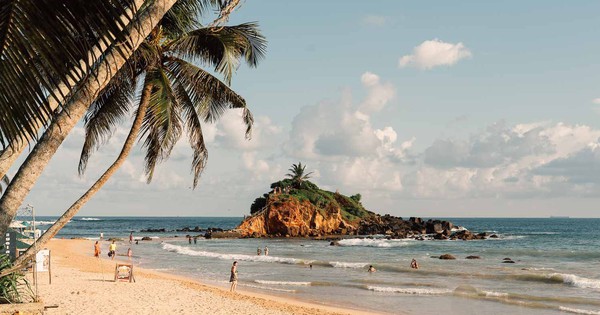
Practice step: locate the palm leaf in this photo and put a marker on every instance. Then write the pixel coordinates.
(194, 131)
(162, 124)
(211, 96)
(222, 47)
(106, 113)
(41, 41)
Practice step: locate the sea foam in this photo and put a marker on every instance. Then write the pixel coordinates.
(269, 282)
(373, 242)
(576, 281)
(412, 291)
(341, 264)
(89, 219)
(269, 259)
(578, 311)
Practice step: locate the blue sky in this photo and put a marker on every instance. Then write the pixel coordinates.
(493, 113)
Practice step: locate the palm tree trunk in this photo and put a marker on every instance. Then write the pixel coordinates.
(64, 122)
(75, 207)
(10, 155)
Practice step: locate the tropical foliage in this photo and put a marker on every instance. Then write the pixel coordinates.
(45, 50)
(183, 95)
(297, 173)
(14, 288)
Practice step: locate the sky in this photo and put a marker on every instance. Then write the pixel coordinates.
(425, 108)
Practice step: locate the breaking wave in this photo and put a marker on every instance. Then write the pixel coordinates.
(269, 259)
(578, 311)
(341, 264)
(282, 282)
(368, 242)
(89, 219)
(411, 291)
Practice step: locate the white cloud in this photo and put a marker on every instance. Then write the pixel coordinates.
(230, 131)
(374, 20)
(433, 53)
(379, 94)
(596, 101)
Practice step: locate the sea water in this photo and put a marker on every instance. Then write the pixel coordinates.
(556, 269)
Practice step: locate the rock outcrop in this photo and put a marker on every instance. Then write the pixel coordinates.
(289, 217)
(301, 209)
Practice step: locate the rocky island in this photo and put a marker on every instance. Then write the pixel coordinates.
(296, 207)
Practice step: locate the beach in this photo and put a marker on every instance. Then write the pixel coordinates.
(82, 283)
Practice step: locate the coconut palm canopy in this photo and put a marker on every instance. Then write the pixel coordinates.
(46, 43)
(183, 95)
(297, 173)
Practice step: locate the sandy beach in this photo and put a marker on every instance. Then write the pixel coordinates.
(82, 284)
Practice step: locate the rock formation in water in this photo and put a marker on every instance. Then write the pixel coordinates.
(301, 209)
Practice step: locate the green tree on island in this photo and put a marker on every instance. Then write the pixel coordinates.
(297, 174)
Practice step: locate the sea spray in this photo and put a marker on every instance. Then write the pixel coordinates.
(367, 242)
(291, 283)
(411, 291)
(269, 259)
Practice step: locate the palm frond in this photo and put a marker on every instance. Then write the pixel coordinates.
(183, 16)
(222, 47)
(41, 42)
(162, 124)
(106, 112)
(194, 131)
(211, 96)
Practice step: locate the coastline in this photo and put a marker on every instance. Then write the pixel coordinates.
(82, 282)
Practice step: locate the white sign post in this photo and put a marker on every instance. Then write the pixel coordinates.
(42, 263)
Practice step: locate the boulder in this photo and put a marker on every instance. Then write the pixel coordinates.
(447, 257)
(508, 262)
(146, 238)
(473, 257)
(507, 258)
(334, 243)
(493, 236)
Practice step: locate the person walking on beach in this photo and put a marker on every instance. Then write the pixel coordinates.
(129, 253)
(266, 251)
(233, 278)
(101, 236)
(414, 264)
(112, 250)
(131, 237)
(258, 251)
(97, 250)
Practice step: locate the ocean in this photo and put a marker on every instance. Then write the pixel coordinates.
(556, 269)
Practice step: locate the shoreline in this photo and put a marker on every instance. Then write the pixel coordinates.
(76, 271)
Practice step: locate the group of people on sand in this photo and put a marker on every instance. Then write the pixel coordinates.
(260, 251)
(413, 264)
(112, 248)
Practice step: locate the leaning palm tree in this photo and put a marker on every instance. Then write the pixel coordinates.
(297, 174)
(176, 95)
(63, 122)
(46, 48)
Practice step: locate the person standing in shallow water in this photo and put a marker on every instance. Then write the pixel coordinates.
(112, 250)
(414, 264)
(266, 251)
(233, 278)
(258, 251)
(131, 237)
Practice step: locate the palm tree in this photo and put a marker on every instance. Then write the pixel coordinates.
(174, 93)
(63, 122)
(297, 174)
(46, 48)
